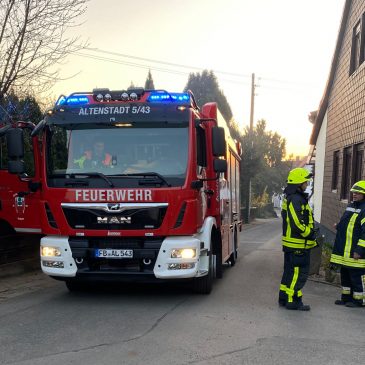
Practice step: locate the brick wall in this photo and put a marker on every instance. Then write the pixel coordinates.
(346, 118)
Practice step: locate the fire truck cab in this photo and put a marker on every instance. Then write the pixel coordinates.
(134, 185)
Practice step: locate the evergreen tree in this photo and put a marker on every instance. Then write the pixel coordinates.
(206, 89)
(149, 85)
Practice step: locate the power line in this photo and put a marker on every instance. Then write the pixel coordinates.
(164, 62)
(138, 65)
(190, 67)
(178, 72)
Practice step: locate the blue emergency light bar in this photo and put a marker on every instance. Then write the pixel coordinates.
(73, 100)
(156, 96)
(161, 96)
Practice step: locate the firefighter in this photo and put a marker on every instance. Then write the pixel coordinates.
(349, 249)
(97, 157)
(297, 240)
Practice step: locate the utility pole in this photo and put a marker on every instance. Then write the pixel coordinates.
(252, 101)
(248, 190)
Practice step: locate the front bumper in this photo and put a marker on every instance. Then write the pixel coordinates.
(151, 259)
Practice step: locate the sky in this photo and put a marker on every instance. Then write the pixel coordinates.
(287, 44)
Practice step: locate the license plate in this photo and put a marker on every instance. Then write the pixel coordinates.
(114, 254)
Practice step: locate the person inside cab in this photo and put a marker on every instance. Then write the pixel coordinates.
(96, 157)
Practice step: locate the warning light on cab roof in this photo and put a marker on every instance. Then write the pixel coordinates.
(161, 96)
(105, 95)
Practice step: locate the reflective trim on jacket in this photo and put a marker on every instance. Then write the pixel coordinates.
(350, 237)
(298, 222)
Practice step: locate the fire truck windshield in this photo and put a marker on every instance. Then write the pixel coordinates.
(118, 152)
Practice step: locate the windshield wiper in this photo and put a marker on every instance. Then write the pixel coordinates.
(146, 174)
(73, 175)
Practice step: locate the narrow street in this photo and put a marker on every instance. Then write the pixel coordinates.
(238, 323)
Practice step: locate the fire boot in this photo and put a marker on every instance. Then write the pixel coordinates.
(299, 306)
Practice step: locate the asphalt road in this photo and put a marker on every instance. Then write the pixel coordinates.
(238, 323)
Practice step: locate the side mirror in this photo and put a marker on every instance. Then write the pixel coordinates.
(219, 165)
(218, 141)
(15, 144)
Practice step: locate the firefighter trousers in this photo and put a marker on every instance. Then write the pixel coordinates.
(295, 275)
(353, 285)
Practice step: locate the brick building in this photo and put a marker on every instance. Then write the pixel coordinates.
(338, 134)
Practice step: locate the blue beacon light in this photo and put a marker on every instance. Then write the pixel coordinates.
(165, 96)
(73, 100)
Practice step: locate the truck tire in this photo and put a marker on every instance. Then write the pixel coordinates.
(204, 284)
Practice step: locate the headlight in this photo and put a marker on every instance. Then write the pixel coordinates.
(50, 251)
(183, 253)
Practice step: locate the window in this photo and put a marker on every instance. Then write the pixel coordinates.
(201, 155)
(358, 45)
(346, 173)
(358, 162)
(335, 167)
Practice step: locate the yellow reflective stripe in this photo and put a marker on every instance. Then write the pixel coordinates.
(362, 221)
(293, 245)
(311, 244)
(336, 259)
(358, 296)
(302, 244)
(288, 226)
(349, 232)
(293, 240)
(300, 294)
(283, 287)
(306, 232)
(361, 243)
(347, 261)
(346, 290)
(292, 285)
(295, 217)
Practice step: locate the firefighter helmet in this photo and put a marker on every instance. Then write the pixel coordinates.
(359, 187)
(299, 175)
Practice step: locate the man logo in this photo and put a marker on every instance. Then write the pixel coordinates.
(114, 206)
(114, 220)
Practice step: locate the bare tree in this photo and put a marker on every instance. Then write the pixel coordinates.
(33, 41)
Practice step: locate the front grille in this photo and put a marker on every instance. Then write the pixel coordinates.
(145, 252)
(142, 218)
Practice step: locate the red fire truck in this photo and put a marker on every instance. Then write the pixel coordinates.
(130, 185)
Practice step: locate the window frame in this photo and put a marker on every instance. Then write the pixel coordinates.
(335, 170)
(346, 172)
(357, 45)
(358, 154)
